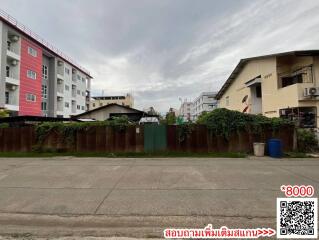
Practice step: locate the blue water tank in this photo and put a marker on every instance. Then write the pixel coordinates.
(274, 148)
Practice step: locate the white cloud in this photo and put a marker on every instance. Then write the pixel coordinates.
(162, 50)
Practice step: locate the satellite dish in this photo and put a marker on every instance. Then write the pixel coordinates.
(244, 99)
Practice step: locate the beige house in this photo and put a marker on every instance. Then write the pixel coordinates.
(100, 101)
(111, 110)
(283, 84)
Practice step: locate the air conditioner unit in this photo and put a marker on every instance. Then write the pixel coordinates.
(13, 87)
(59, 80)
(14, 62)
(15, 38)
(312, 91)
(60, 98)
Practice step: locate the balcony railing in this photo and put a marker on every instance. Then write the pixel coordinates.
(11, 74)
(13, 48)
(11, 100)
(60, 108)
(301, 75)
(60, 89)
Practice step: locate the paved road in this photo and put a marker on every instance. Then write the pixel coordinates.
(140, 197)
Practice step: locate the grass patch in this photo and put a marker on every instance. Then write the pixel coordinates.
(122, 155)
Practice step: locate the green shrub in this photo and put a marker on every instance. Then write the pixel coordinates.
(306, 140)
(224, 122)
(4, 113)
(67, 131)
(184, 130)
(4, 125)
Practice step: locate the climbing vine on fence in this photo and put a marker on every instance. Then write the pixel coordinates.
(67, 131)
(184, 130)
(224, 122)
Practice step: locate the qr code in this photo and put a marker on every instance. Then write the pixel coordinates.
(297, 218)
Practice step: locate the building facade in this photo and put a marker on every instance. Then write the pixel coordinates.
(205, 102)
(279, 85)
(37, 79)
(108, 111)
(185, 111)
(99, 101)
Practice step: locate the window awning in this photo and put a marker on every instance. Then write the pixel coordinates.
(252, 82)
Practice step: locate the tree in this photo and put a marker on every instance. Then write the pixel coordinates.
(152, 111)
(170, 117)
(202, 118)
(4, 113)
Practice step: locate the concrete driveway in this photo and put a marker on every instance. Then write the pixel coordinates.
(140, 197)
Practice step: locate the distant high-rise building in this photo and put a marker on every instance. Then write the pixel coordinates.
(124, 100)
(185, 111)
(205, 102)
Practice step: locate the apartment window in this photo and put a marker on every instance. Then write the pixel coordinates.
(44, 91)
(78, 107)
(67, 87)
(44, 72)
(9, 45)
(7, 71)
(31, 97)
(227, 101)
(302, 75)
(304, 117)
(82, 108)
(83, 80)
(78, 92)
(67, 105)
(31, 74)
(287, 81)
(44, 106)
(32, 52)
(79, 77)
(93, 104)
(67, 71)
(7, 98)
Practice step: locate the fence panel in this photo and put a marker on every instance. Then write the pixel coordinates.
(155, 138)
(141, 138)
(100, 139)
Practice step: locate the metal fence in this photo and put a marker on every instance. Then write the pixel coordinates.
(139, 139)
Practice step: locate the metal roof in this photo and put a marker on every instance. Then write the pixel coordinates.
(243, 62)
(107, 106)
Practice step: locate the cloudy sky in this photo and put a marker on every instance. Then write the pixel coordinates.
(163, 50)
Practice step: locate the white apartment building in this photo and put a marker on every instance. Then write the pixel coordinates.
(124, 100)
(205, 102)
(185, 111)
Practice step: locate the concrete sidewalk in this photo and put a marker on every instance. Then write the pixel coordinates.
(140, 197)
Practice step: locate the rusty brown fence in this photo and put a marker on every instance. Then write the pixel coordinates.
(108, 139)
(17, 139)
(202, 140)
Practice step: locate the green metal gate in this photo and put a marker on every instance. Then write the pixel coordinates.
(154, 138)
